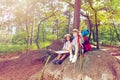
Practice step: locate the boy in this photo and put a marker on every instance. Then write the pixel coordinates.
(76, 45)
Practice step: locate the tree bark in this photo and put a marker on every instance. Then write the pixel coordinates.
(89, 24)
(77, 7)
(43, 35)
(32, 31)
(69, 17)
(112, 36)
(94, 36)
(27, 30)
(27, 36)
(96, 25)
(57, 29)
(37, 37)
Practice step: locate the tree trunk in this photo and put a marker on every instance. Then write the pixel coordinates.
(38, 32)
(27, 34)
(53, 30)
(94, 36)
(27, 29)
(69, 22)
(96, 25)
(43, 35)
(57, 30)
(90, 25)
(118, 37)
(77, 7)
(112, 36)
(57, 33)
(96, 22)
(32, 31)
(37, 37)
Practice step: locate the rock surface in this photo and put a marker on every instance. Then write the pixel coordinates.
(97, 65)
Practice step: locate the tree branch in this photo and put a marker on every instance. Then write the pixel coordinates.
(53, 14)
(90, 3)
(72, 5)
(85, 15)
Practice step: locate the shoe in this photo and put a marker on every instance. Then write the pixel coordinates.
(74, 59)
(55, 62)
(71, 57)
(59, 62)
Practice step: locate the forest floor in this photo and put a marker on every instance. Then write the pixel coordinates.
(114, 51)
(10, 69)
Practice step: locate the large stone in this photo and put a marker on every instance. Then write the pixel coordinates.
(97, 65)
(56, 45)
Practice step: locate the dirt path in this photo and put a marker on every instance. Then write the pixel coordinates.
(114, 51)
(14, 68)
(11, 56)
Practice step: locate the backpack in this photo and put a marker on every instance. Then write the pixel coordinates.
(86, 44)
(85, 32)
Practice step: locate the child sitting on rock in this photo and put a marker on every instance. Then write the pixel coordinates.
(66, 47)
(76, 45)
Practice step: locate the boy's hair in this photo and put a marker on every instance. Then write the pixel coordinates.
(75, 30)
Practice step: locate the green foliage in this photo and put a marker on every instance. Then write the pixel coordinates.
(20, 48)
(50, 37)
(5, 38)
(107, 35)
(43, 45)
(19, 38)
(30, 13)
(11, 48)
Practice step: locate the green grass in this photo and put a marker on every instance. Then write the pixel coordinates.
(20, 48)
(106, 42)
(44, 44)
(11, 48)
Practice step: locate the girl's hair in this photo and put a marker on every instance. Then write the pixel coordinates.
(66, 37)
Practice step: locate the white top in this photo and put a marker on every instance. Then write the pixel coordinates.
(81, 38)
(67, 45)
(66, 48)
(75, 41)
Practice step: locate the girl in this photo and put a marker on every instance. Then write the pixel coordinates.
(76, 45)
(66, 47)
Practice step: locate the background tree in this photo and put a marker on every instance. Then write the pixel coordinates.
(77, 7)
